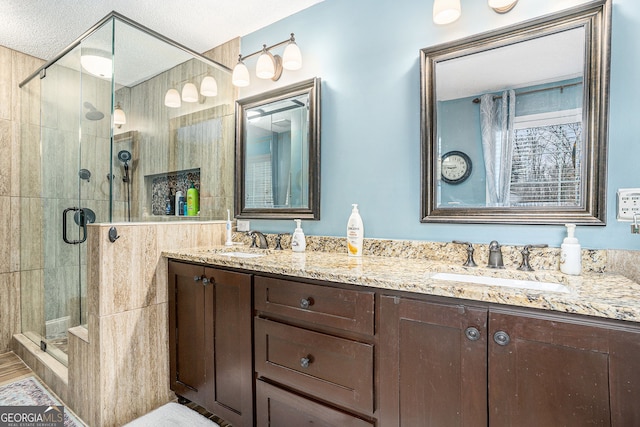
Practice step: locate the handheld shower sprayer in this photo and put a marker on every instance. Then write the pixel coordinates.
(124, 156)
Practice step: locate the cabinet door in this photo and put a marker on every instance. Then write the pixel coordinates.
(547, 370)
(432, 364)
(187, 306)
(228, 344)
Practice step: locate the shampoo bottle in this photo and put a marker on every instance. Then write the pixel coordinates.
(193, 201)
(570, 253)
(298, 242)
(179, 203)
(355, 232)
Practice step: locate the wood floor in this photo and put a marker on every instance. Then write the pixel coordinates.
(12, 368)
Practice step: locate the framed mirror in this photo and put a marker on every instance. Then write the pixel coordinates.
(278, 153)
(514, 122)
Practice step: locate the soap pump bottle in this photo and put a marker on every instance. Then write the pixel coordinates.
(298, 242)
(570, 253)
(229, 241)
(355, 232)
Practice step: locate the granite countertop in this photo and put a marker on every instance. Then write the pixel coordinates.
(595, 294)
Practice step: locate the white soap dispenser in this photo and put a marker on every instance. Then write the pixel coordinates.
(298, 243)
(571, 253)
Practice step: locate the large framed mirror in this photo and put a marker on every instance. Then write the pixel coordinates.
(278, 153)
(514, 122)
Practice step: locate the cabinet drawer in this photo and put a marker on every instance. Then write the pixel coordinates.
(276, 407)
(330, 368)
(333, 307)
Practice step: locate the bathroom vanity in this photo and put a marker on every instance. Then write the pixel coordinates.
(378, 341)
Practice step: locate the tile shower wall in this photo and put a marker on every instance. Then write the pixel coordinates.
(14, 67)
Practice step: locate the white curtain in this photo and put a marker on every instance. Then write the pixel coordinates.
(496, 124)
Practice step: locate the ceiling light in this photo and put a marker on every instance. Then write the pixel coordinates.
(97, 62)
(119, 118)
(446, 11)
(292, 57)
(172, 99)
(240, 77)
(209, 86)
(502, 6)
(189, 93)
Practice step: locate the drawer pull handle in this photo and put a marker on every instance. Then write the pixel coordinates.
(473, 334)
(501, 338)
(305, 303)
(304, 362)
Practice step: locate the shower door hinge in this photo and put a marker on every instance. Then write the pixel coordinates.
(43, 73)
(43, 345)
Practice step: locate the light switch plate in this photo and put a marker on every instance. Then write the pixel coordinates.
(628, 203)
(243, 225)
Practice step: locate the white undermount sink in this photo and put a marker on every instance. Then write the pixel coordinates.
(240, 254)
(498, 281)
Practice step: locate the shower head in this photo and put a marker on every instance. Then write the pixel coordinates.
(124, 156)
(93, 113)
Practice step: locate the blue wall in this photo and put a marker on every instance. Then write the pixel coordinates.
(367, 54)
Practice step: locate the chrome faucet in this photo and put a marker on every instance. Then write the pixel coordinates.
(261, 238)
(495, 255)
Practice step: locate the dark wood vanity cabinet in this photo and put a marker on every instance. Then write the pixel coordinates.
(210, 340)
(314, 354)
(453, 365)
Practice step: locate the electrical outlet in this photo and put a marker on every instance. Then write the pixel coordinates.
(243, 225)
(628, 203)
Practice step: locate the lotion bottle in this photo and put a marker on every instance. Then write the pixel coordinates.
(355, 232)
(298, 242)
(571, 253)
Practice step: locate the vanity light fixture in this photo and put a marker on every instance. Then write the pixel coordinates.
(119, 118)
(447, 11)
(269, 66)
(208, 87)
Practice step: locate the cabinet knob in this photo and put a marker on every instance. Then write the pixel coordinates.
(473, 334)
(304, 362)
(501, 338)
(196, 278)
(205, 281)
(306, 303)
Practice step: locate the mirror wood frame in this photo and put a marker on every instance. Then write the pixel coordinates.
(312, 88)
(595, 18)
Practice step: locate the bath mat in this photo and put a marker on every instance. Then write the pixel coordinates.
(170, 415)
(30, 392)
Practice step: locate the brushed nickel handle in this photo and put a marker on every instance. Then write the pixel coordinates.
(196, 278)
(473, 334)
(501, 338)
(305, 303)
(205, 281)
(305, 361)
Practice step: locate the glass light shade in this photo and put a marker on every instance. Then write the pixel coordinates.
(209, 86)
(292, 57)
(172, 99)
(97, 62)
(189, 93)
(119, 118)
(499, 4)
(240, 76)
(266, 67)
(446, 11)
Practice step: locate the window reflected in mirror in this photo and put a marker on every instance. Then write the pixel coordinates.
(277, 153)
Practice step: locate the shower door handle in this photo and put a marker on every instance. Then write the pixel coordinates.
(83, 223)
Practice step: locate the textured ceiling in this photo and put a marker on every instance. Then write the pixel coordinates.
(44, 28)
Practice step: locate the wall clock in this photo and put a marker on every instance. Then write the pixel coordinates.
(455, 167)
